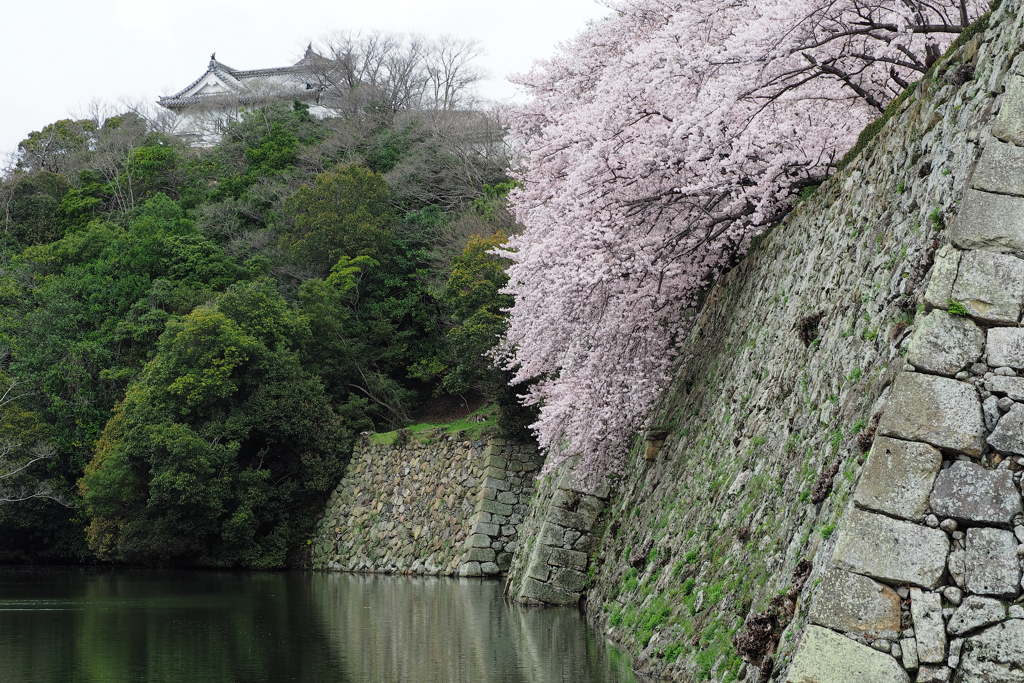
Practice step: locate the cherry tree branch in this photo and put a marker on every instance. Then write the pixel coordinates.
(847, 79)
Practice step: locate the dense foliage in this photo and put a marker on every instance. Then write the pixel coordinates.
(659, 143)
(193, 336)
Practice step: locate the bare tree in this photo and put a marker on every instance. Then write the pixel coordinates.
(456, 153)
(8, 184)
(113, 155)
(451, 72)
(57, 147)
(389, 73)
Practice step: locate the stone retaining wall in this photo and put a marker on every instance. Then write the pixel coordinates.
(926, 572)
(713, 551)
(551, 567)
(439, 506)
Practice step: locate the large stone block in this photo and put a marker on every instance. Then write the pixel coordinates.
(478, 541)
(494, 473)
(940, 284)
(590, 506)
(989, 221)
(547, 593)
(891, 550)
(551, 534)
(827, 657)
(568, 558)
(996, 655)
(1008, 436)
(929, 628)
(570, 579)
(539, 569)
(479, 555)
(470, 569)
(496, 484)
(945, 344)
(570, 481)
(992, 567)
(967, 492)
(1001, 169)
(496, 461)
(990, 286)
(898, 477)
(485, 528)
(504, 561)
(940, 411)
(1005, 347)
(572, 520)
(854, 603)
(975, 612)
(1009, 123)
(494, 507)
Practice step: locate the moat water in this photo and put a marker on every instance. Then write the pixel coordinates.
(104, 626)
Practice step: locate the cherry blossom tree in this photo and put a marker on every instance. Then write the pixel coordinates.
(657, 144)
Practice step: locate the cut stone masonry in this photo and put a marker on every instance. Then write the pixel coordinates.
(556, 562)
(941, 489)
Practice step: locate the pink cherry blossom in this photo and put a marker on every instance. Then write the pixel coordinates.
(657, 144)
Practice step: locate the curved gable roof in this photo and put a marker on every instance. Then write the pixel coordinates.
(292, 78)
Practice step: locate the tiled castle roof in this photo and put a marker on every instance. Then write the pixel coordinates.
(293, 81)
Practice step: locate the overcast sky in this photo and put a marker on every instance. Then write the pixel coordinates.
(57, 55)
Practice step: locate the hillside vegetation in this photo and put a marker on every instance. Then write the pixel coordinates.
(192, 336)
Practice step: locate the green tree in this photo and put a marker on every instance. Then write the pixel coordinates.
(223, 450)
(83, 314)
(475, 309)
(344, 213)
(474, 300)
(33, 211)
(359, 345)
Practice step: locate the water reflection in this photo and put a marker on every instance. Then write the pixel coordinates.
(198, 627)
(398, 629)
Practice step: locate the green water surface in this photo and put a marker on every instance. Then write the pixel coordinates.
(104, 626)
